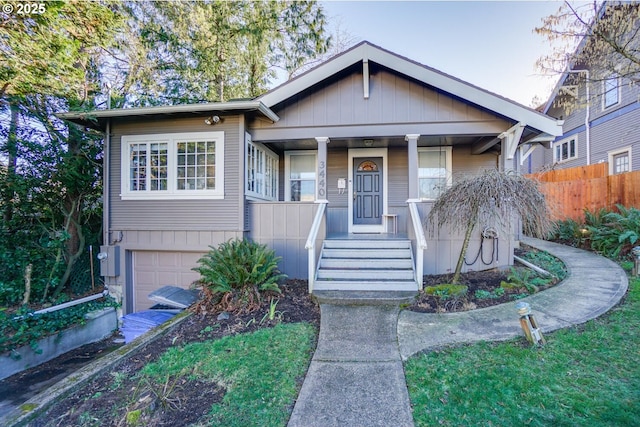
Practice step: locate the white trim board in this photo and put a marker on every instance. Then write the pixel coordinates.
(368, 152)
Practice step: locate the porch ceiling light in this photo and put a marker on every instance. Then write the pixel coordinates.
(368, 142)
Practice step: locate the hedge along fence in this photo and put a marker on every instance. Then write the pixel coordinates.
(570, 191)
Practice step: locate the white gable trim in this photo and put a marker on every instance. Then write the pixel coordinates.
(463, 90)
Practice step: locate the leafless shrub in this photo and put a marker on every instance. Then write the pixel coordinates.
(491, 197)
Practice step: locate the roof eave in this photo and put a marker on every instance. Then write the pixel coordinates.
(236, 106)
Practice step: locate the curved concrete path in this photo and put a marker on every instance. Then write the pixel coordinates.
(593, 286)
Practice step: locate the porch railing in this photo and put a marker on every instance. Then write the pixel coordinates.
(421, 241)
(310, 246)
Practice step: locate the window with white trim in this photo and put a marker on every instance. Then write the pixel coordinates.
(434, 171)
(611, 92)
(565, 150)
(300, 175)
(173, 166)
(261, 171)
(620, 161)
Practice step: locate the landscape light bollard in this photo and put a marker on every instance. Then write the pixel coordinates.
(529, 324)
(636, 254)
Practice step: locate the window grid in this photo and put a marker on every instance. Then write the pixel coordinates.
(621, 163)
(262, 172)
(183, 165)
(565, 150)
(196, 165)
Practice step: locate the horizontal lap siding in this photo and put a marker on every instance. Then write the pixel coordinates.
(178, 214)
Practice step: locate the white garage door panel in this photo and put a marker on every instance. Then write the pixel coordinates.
(153, 270)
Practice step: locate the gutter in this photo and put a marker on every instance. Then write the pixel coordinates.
(173, 109)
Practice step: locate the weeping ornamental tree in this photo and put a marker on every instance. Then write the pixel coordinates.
(492, 197)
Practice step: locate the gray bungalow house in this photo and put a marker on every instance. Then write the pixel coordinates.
(335, 170)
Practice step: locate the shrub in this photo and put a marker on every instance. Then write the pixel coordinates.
(23, 327)
(235, 274)
(616, 232)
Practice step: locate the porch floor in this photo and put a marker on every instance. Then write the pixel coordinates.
(366, 236)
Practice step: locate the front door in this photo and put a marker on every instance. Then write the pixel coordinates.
(367, 191)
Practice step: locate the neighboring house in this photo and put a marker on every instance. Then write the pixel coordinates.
(338, 168)
(601, 113)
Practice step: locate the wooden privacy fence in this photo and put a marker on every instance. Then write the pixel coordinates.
(570, 191)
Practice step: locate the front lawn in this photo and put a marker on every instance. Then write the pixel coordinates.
(588, 375)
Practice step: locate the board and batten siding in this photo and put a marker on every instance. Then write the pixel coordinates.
(179, 214)
(396, 106)
(284, 227)
(443, 248)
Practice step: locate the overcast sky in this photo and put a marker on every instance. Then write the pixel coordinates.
(490, 44)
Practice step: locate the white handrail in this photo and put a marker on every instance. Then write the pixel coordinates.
(310, 246)
(422, 241)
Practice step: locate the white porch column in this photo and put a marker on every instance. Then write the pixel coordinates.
(321, 187)
(412, 155)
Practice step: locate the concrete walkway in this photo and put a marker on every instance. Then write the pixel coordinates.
(356, 376)
(593, 286)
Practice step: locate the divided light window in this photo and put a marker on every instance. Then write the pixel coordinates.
(172, 166)
(565, 150)
(434, 171)
(611, 92)
(262, 171)
(300, 175)
(621, 163)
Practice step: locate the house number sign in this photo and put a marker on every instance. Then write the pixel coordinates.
(322, 182)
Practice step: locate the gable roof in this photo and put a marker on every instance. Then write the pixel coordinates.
(365, 51)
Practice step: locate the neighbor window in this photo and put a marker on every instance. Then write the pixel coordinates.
(620, 161)
(611, 92)
(262, 171)
(565, 150)
(300, 173)
(434, 171)
(181, 165)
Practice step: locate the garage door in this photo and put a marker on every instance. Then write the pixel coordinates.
(153, 270)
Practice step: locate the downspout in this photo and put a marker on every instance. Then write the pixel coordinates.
(587, 118)
(587, 115)
(105, 185)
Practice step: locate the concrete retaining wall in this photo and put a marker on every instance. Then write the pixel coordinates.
(100, 324)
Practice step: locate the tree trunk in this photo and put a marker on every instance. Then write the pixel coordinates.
(11, 149)
(465, 246)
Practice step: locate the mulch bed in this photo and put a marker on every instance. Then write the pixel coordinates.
(104, 404)
(99, 403)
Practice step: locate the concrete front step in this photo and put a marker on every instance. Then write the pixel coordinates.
(365, 274)
(360, 253)
(366, 263)
(365, 297)
(364, 244)
(367, 285)
(379, 265)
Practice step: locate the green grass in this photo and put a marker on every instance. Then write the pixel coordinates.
(585, 376)
(259, 371)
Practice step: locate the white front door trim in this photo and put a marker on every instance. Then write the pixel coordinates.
(368, 152)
